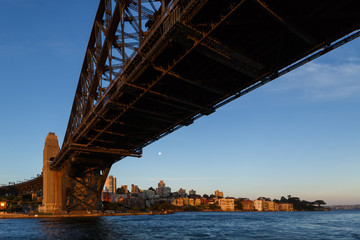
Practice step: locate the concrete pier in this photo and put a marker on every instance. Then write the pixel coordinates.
(52, 180)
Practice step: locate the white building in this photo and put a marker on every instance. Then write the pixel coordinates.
(259, 205)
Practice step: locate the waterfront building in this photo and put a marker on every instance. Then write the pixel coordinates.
(286, 207)
(125, 187)
(175, 194)
(191, 202)
(277, 207)
(182, 192)
(106, 196)
(134, 189)
(247, 205)
(162, 190)
(110, 184)
(269, 206)
(219, 194)
(204, 200)
(178, 202)
(192, 192)
(149, 193)
(226, 204)
(197, 202)
(259, 205)
(161, 184)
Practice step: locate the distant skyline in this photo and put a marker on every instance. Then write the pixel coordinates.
(298, 135)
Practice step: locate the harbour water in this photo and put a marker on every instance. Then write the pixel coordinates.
(191, 225)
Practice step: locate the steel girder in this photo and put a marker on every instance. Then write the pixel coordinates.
(116, 56)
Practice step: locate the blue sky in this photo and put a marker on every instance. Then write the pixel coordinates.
(298, 135)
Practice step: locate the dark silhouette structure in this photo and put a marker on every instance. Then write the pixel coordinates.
(152, 67)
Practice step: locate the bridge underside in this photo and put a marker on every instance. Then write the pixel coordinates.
(186, 68)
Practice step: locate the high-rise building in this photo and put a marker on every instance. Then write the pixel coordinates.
(182, 192)
(192, 192)
(163, 191)
(219, 194)
(161, 184)
(125, 188)
(134, 188)
(110, 184)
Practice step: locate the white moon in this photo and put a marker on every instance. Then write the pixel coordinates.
(159, 153)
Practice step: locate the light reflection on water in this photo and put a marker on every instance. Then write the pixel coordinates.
(203, 225)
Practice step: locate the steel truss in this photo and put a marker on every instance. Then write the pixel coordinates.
(116, 36)
(126, 67)
(83, 190)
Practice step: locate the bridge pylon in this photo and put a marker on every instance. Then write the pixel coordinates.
(76, 186)
(53, 188)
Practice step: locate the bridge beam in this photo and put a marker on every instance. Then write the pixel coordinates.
(216, 50)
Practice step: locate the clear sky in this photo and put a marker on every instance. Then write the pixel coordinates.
(299, 135)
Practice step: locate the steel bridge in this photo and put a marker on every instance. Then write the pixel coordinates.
(154, 66)
(26, 187)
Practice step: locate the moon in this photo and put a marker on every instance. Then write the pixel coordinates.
(159, 153)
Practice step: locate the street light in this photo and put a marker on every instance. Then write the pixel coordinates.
(2, 206)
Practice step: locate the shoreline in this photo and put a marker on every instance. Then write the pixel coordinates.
(21, 216)
(80, 215)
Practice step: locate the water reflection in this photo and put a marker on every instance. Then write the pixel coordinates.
(203, 225)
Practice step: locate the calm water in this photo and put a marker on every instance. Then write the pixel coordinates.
(211, 225)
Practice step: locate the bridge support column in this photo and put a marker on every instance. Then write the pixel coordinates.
(84, 186)
(53, 184)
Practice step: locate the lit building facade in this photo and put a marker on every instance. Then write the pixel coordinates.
(247, 205)
(110, 184)
(226, 204)
(270, 206)
(182, 192)
(134, 189)
(162, 190)
(219, 194)
(125, 187)
(286, 207)
(259, 205)
(192, 192)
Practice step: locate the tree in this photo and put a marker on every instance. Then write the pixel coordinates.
(206, 196)
(214, 206)
(319, 203)
(264, 198)
(161, 206)
(121, 190)
(152, 189)
(238, 204)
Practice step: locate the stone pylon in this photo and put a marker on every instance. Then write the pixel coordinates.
(52, 180)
